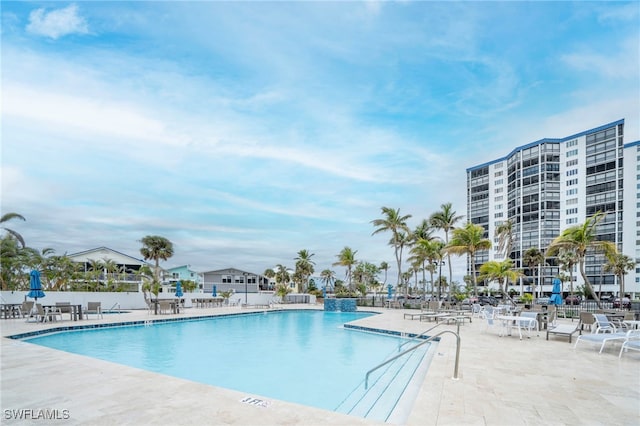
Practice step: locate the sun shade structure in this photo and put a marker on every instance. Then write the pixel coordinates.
(35, 285)
(179, 292)
(215, 291)
(556, 297)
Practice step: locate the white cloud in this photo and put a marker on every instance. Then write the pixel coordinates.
(57, 23)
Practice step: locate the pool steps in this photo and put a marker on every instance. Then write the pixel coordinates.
(380, 399)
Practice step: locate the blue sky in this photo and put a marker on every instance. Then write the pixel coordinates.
(247, 131)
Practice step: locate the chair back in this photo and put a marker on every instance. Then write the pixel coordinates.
(603, 325)
(94, 306)
(529, 314)
(64, 307)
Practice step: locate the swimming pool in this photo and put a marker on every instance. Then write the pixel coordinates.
(304, 357)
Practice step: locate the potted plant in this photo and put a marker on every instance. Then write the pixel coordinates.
(527, 299)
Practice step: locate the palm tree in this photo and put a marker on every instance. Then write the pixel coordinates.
(347, 258)
(7, 217)
(504, 233)
(502, 272)
(567, 259)
(445, 220)
(620, 264)
(304, 265)
(328, 277)
(582, 238)
(269, 273)
(384, 266)
(156, 248)
(534, 257)
(397, 224)
(469, 240)
(426, 251)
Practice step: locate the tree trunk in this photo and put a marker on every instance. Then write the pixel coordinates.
(588, 284)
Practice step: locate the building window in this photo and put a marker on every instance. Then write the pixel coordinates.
(572, 153)
(573, 162)
(572, 220)
(572, 172)
(572, 211)
(572, 191)
(572, 201)
(572, 182)
(571, 143)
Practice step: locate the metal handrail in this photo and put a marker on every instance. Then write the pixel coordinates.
(455, 371)
(414, 338)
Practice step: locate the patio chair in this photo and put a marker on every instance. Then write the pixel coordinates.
(533, 315)
(26, 310)
(586, 319)
(164, 307)
(47, 315)
(603, 325)
(65, 308)
(631, 343)
(94, 308)
(476, 308)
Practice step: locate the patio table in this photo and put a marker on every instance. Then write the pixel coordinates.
(509, 320)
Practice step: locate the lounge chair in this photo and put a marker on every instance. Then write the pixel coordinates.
(602, 338)
(564, 330)
(603, 325)
(632, 342)
(94, 308)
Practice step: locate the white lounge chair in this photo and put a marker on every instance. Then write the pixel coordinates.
(603, 325)
(632, 342)
(601, 338)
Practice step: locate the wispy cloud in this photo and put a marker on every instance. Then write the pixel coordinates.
(57, 23)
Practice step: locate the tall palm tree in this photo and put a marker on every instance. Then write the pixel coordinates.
(156, 248)
(347, 258)
(504, 232)
(426, 252)
(305, 266)
(502, 272)
(567, 259)
(384, 266)
(445, 219)
(534, 257)
(620, 265)
(469, 240)
(396, 223)
(582, 238)
(10, 216)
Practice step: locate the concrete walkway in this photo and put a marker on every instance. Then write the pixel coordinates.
(502, 381)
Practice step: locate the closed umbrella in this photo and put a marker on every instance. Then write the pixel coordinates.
(35, 288)
(179, 289)
(556, 297)
(215, 291)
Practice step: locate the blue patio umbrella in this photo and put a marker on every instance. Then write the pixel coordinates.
(35, 285)
(179, 289)
(215, 291)
(389, 288)
(556, 297)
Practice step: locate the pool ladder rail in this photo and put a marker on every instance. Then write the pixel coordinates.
(379, 399)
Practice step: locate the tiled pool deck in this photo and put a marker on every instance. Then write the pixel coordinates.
(503, 381)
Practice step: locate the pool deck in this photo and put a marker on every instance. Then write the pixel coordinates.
(502, 381)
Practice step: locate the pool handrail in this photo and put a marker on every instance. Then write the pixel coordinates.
(429, 339)
(419, 336)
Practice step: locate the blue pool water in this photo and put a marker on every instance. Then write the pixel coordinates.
(304, 357)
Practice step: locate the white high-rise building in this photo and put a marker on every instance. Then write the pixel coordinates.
(549, 185)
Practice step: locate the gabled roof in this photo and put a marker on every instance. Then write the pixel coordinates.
(105, 252)
(230, 271)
